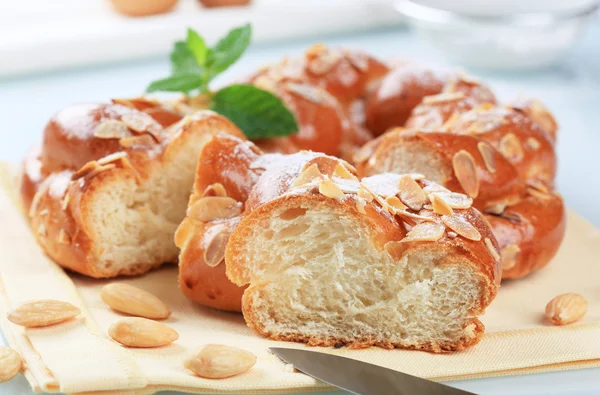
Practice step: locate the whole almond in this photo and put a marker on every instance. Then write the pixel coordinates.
(134, 301)
(142, 332)
(42, 313)
(216, 361)
(566, 309)
(10, 363)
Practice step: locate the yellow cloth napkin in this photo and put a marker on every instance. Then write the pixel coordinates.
(78, 356)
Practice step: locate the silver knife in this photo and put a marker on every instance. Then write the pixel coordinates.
(359, 377)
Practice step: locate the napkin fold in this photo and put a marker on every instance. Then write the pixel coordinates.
(79, 357)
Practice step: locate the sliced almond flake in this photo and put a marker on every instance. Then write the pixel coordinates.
(42, 230)
(127, 165)
(112, 157)
(451, 123)
(216, 189)
(411, 192)
(461, 226)
(443, 97)
(184, 232)
(416, 176)
(364, 194)
(138, 121)
(452, 235)
(492, 249)
(358, 59)
(465, 170)
(439, 205)
(137, 141)
(538, 194)
(111, 129)
(532, 143)
(215, 250)
(124, 102)
(266, 83)
(431, 187)
(85, 170)
(324, 61)
(509, 256)
(44, 212)
(347, 186)
(360, 204)
(342, 172)
(307, 92)
(211, 208)
(308, 175)
(99, 170)
(64, 204)
(538, 185)
(329, 189)
(417, 217)
(469, 79)
(395, 203)
(454, 199)
(425, 231)
(487, 153)
(395, 248)
(495, 209)
(510, 147)
(349, 167)
(63, 237)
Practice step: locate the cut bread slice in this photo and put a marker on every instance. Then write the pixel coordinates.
(331, 260)
(117, 215)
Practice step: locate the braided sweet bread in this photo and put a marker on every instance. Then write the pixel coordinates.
(111, 183)
(333, 260)
(502, 157)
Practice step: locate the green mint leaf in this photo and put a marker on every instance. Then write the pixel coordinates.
(258, 113)
(178, 83)
(183, 61)
(197, 46)
(228, 50)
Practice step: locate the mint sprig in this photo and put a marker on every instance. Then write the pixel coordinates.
(258, 113)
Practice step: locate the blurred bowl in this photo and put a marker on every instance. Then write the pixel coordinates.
(499, 40)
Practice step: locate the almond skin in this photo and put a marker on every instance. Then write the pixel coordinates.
(134, 301)
(42, 313)
(10, 363)
(142, 333)
(566, 309)
(216, 361)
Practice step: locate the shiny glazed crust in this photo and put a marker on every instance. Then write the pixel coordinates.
(61, 181)
(515, 193)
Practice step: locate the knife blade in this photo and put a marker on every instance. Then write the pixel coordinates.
(359, 377)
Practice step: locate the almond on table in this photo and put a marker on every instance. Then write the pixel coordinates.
(142, 333)
(566, 309)
(10, 363)
(131, 300)
(42, 313)
(217, 361)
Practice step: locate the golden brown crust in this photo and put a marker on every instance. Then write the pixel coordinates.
(321, 88)
(526, 215)
(459, 95)
(378, 222)
(76, 160)
(397, 94)
(225, 161)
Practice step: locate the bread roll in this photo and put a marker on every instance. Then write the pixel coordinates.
(111, 184)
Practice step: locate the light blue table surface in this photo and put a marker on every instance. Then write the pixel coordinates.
(571, 90)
